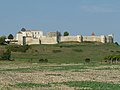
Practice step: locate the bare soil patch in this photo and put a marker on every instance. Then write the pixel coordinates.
(9, 79)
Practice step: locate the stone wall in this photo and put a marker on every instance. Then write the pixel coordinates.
(92, 38)
(30, 40)
(71, 38)
(34, 41)
(36, 37)
(48, 40)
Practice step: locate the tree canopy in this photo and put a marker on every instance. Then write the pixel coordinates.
(66, 33)
(2, 39)
(10, 36)
(117, 43)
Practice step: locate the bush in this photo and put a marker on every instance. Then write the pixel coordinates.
(6, 55)
(118, 51)
(43, 60)
(87, 60)
(18, 48)
(2, 40)
(61, 46)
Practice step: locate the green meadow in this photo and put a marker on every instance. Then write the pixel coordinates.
(67, 53)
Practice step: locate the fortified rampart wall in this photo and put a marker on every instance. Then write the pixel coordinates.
(30, 41)
(92, 38)
(36, 37)
(70, 38)
(48, 40)
(101, 38)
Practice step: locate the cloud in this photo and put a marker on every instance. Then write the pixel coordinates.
(99, 9)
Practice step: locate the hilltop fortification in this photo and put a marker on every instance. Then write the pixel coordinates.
(36, 37)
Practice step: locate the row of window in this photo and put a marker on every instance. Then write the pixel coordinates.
(35, 33)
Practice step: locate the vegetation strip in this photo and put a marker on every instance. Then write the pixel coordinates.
(107, 68)
(50, 68)
(53, 74)
(24, 85)
(92, 85)
(78, 84)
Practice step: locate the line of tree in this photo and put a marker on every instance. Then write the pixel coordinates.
(112, 58)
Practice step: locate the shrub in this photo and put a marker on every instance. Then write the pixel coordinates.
(118, 51)
(61, 46)
(111, 51)
(46, 60)
(2, 40)
(6, 55)
(87, 60)
(43, 60)
(18, 48)
(36, 50)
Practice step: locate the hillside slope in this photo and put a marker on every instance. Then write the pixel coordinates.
(67, 53)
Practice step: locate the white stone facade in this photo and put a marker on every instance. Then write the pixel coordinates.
(36, 37)
(32, 36)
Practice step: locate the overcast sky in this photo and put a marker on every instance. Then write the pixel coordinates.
(75, 16)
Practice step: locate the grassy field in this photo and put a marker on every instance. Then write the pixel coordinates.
(65, 70)
(67, 53)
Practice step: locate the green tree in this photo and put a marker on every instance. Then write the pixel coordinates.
(117, 43)
(2, 39)
(10, 36)
(66, 33)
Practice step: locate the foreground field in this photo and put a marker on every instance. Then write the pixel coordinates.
(60, 67)
(35, 76)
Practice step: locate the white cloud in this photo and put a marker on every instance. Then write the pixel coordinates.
(93, 8)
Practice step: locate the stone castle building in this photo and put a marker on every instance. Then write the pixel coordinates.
(36, 37)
